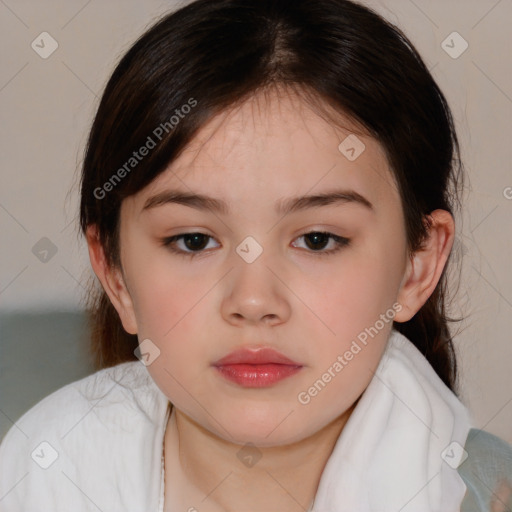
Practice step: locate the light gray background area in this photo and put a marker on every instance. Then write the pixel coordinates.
(47, 106)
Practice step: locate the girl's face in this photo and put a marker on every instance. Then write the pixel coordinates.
(253, 279)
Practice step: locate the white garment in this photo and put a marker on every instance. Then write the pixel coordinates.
(103, 445)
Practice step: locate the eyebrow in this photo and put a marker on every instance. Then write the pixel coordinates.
(290, 205)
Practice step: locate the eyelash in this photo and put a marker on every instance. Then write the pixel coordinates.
(339, 240)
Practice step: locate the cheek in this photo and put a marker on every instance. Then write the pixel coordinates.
(171, 313)
(352, 295)
(165, 298)
(174, 326)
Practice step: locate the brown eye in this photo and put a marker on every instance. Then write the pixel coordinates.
(316, 241)
(193, 243)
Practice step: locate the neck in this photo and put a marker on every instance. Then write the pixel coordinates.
(208, 470)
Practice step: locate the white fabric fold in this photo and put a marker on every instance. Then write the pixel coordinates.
(400, 448)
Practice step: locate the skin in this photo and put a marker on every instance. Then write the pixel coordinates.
(306, 305)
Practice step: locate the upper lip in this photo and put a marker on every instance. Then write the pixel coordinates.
(255, 356)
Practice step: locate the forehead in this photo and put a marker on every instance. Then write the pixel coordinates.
(273, 146)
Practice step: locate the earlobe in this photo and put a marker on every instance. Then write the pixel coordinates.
(112, 281)
(425, 267)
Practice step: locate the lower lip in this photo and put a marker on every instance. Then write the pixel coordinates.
(257, 375)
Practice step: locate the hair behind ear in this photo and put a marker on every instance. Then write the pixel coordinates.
(429, 330)
(110, 343)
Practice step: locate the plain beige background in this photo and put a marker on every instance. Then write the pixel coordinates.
(47, 106)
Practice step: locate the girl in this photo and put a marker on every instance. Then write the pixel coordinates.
(267, 196)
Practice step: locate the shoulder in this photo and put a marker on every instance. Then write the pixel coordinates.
(487, 472)
(86, 431)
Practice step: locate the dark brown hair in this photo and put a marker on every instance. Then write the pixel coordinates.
(218, 53)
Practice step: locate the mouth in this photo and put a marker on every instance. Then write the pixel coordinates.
(256, 369)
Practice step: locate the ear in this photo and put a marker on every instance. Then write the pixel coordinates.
(426, 265)
(112, 281)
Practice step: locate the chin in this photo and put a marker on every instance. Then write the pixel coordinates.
(264, 430)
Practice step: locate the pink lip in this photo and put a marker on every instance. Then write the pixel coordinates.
(256, 369)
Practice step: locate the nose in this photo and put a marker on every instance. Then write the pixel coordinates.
(256, 294)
